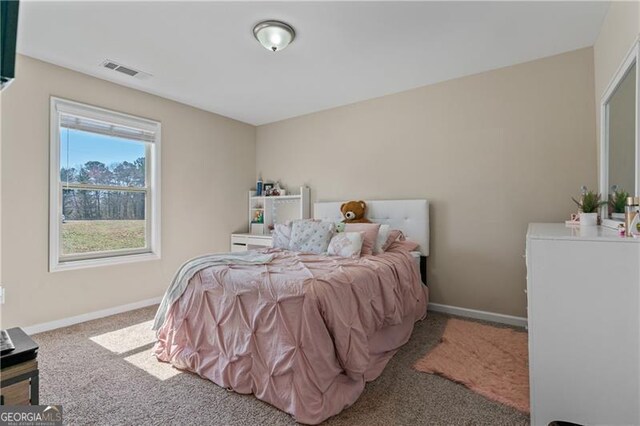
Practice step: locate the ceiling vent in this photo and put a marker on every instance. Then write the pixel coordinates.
(131, 72)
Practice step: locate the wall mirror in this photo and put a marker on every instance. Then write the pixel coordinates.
(619, 153)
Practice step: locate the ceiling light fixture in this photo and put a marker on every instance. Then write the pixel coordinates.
(274, 35)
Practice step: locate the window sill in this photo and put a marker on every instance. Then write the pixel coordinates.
(106, 261)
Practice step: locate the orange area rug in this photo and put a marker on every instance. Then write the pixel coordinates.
(491, 361)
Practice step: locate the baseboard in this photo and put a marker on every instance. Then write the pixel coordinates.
(65, 322)
(436, 307)
(481, 315)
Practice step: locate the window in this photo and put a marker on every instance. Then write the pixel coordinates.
(105, 187)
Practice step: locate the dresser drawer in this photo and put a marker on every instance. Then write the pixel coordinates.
(16, 394)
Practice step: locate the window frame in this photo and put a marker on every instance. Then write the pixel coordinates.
(58, 262)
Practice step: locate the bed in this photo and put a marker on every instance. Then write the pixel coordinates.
(302, 332)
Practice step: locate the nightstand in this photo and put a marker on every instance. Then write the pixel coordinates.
(244, 242)
(19, 374)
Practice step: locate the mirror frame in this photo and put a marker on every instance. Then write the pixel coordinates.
(630, 60)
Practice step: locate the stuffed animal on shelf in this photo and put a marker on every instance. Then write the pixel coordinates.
(354, 211)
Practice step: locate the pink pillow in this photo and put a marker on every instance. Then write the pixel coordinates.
(370, 235)
(404, 245)
(394, 235)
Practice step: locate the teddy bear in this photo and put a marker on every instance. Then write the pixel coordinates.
(354, 211)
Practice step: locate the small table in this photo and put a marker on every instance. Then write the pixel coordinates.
(19, 374)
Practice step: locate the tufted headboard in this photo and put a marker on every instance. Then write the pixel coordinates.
(410, 216)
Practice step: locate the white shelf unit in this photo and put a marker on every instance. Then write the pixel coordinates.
(277, 209)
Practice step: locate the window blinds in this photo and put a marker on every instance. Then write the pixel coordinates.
(74, 122)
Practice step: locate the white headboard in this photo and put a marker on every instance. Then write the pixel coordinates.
(409, 216)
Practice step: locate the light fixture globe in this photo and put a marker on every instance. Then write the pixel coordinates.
(274, 35)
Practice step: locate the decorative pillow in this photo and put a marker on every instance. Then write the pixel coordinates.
(404, 245)
(311, 237)
(383, 234)
(394, 235)
(370, 234)
(340, 226)
(346, 244)
(281, 236)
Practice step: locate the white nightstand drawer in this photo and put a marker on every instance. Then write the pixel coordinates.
(242, 242)
(259, 241)
(239, 239)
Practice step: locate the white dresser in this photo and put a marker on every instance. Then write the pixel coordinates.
(584, 325)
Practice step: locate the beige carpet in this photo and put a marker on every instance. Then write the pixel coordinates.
(102, 373)
(492, 361)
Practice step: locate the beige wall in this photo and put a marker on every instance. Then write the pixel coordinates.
(619, 30)
(492, 152)
(208, 163)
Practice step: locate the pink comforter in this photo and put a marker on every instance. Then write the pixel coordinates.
(303, 332)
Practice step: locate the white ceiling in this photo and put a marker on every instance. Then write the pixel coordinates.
(204, 54)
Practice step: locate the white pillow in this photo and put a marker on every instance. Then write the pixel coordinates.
(281, 236)
(383, 234)
(310, 236)
(346, 244)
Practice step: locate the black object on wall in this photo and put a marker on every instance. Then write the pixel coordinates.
(8, 39)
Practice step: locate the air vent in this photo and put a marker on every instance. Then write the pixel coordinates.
(127, 71)
(114, 66)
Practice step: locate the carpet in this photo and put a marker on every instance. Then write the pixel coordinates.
(489, 360)
(102, 372)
